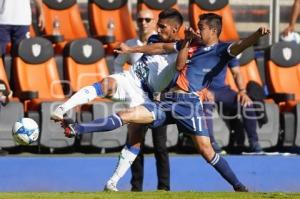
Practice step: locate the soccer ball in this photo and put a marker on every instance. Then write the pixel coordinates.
(25, 131)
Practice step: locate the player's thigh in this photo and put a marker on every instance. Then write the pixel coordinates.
(137, 114)
(136, 134)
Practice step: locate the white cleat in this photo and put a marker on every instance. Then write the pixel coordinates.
(58, 114)
(110, 186)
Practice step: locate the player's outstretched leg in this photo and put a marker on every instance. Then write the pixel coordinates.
(109, 123)
(83, 96)
(218, 162)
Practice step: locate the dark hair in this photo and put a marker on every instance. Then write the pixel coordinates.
(171, 13)
(213, 21)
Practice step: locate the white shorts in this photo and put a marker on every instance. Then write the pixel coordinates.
(129, 90)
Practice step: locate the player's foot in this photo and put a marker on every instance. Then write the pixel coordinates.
(240, 188)
(110, 186)
(58, 114)
(69, 125)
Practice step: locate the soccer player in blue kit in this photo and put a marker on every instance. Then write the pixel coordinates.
(182, 105)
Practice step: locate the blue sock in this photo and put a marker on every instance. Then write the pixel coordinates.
(100, 125)
(98, 88)
(221, 165)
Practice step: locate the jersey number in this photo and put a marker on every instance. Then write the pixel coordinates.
(197, 123)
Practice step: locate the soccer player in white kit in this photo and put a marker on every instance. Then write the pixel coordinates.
(151, 73)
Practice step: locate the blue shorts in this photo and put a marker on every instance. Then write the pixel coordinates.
(184, 109)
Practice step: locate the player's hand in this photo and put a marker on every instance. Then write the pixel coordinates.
(262, 31)
(123, 48)
(244, 99)
(41, 21)
(287, 30)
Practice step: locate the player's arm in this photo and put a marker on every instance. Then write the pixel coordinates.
(237, 47)
(294, 16)
(151, 49)
(182, 56)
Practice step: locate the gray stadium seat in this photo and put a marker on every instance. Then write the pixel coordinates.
(172, 136)
(111, 139)
(9, 114)
(52, 135)
(268, 134)
(297, 139)
(221, 130)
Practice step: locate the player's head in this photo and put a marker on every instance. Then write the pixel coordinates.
(210, 26)
(146, 22)
(169, 23)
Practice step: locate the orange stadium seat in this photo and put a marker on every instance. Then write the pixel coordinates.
(156, 6)
(85, 63)
(220, 7)
(104, 12)
(283, 74)
(249, 72)
(67, 13)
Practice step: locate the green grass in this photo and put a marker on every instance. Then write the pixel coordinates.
(149, 195)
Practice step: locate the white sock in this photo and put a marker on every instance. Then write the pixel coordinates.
(83, 96)
(126, 159)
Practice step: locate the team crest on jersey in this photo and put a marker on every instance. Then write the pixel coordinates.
(36, 49)
(87, 50)
(212, 1)
(287, 53)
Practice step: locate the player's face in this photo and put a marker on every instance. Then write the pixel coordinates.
(167, 29)
(146, 22)
(205, 32)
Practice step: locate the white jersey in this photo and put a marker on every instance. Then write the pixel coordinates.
(15, 12)
(156, 71)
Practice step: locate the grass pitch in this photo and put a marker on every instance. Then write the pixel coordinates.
(149, 195)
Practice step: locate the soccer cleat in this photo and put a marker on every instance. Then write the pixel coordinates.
(110, 186)
(69, 125)
(58, 114)
(240, 188)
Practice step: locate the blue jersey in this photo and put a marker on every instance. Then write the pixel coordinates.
(206, 67)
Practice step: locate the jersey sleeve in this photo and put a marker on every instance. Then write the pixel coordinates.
(153, 39)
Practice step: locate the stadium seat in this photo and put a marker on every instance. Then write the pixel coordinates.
(9, 113)
(283, 74)
(172, 137)
(156, 6)
(37, 82)
(111, 139)
(297, 139)
(113, 15)
(268, 133)
(220, 7)
(85, 63)
(67, 13)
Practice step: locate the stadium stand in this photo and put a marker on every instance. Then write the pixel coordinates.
(268, 133)
(37, 84)
(220, 7)
(283, 72)
(66, 16)
(111, 22)
(9, 113)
